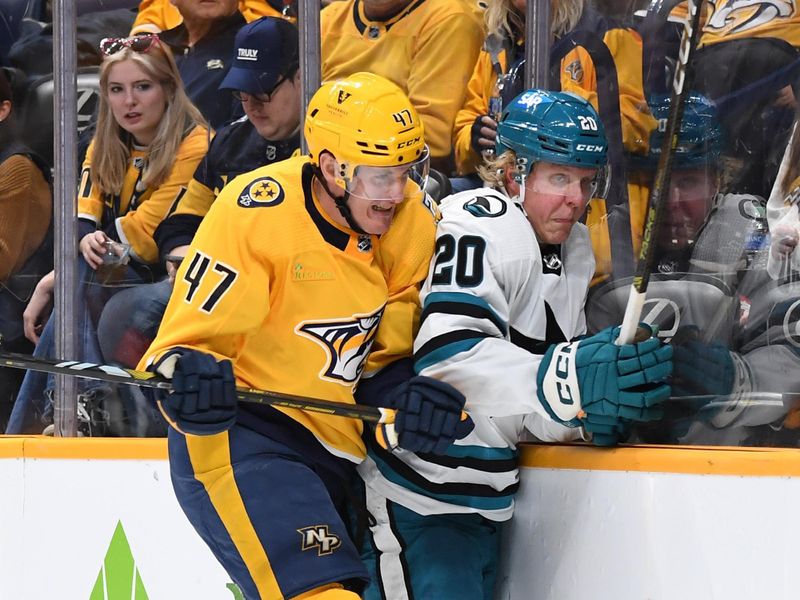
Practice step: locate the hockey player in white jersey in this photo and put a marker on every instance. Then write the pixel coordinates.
(503, 321)
(734, 330)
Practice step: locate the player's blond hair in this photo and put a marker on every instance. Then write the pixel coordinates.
(503, 19)
(112, 144)
(493, 171)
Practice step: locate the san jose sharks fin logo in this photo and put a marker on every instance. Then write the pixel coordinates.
(347, 343)
(486, 206)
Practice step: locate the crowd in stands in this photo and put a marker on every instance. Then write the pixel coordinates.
(190, 95)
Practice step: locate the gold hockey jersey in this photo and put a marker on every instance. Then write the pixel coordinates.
(738, 19)
(428, 50)
(577, 75)
(137, 211)
(294, 300)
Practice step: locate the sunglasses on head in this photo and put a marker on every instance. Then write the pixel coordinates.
(138, 43)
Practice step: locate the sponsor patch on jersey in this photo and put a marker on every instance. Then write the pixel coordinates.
(301, 272)
(214, 64)
(347, 343)
(264, 191)
(486, 206)
(663, 312)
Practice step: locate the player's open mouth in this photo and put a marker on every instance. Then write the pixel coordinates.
(379, 208)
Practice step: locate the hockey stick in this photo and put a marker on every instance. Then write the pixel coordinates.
(656, 201)
(114, 374)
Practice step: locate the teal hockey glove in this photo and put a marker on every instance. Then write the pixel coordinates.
(593, 377)
(606, 431)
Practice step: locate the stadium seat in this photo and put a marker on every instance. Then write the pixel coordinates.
(38, 126)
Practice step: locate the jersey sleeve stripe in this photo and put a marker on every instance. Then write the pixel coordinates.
(462, 494)
(456, 303)
(533, 346)
(446, 346)
(494, 465)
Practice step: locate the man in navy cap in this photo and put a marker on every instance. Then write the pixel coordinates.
(266, 79)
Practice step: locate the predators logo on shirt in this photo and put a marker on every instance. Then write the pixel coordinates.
(347, 343)
(575, 70)
(264, 191)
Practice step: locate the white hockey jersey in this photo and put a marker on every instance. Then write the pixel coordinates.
(493, 302)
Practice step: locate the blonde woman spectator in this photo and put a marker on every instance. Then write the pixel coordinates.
(148, 142)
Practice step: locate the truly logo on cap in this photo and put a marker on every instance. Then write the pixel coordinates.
(248, 54)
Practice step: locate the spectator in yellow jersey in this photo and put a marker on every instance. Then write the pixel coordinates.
(427, 47)
(148, 142)
(155, 16)
(748, 63)
(504, 49)
(293, 278)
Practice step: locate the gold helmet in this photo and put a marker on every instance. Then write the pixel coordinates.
(365, 120)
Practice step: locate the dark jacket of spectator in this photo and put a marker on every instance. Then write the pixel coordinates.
(204, 65)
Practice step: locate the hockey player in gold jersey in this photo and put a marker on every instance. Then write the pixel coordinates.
(299, 268)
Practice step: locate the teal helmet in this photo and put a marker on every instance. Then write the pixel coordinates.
(556, 127)
(700, 135)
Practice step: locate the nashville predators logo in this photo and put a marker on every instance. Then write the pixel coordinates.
(743, 15)
(575, 70)
(346, 342)
(319, 537)
(264, 191)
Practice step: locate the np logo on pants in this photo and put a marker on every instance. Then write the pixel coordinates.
(318, 536)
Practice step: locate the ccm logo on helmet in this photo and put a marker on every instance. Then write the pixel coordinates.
(408, 143)
(589, 147)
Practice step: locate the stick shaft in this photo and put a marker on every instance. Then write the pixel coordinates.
(114, 374)
(658, 192)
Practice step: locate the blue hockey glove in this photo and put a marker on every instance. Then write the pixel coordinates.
(203, 397)
(428, 416)
(709, 370)
(703, 369)
(594, 377)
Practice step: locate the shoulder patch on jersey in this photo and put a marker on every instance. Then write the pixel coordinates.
(264, 191)
(575, 70)
(486, 206)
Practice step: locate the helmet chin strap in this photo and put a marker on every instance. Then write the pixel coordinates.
(340, 201)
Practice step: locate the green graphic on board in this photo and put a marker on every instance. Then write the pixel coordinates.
(234, 589)
(119, 578)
